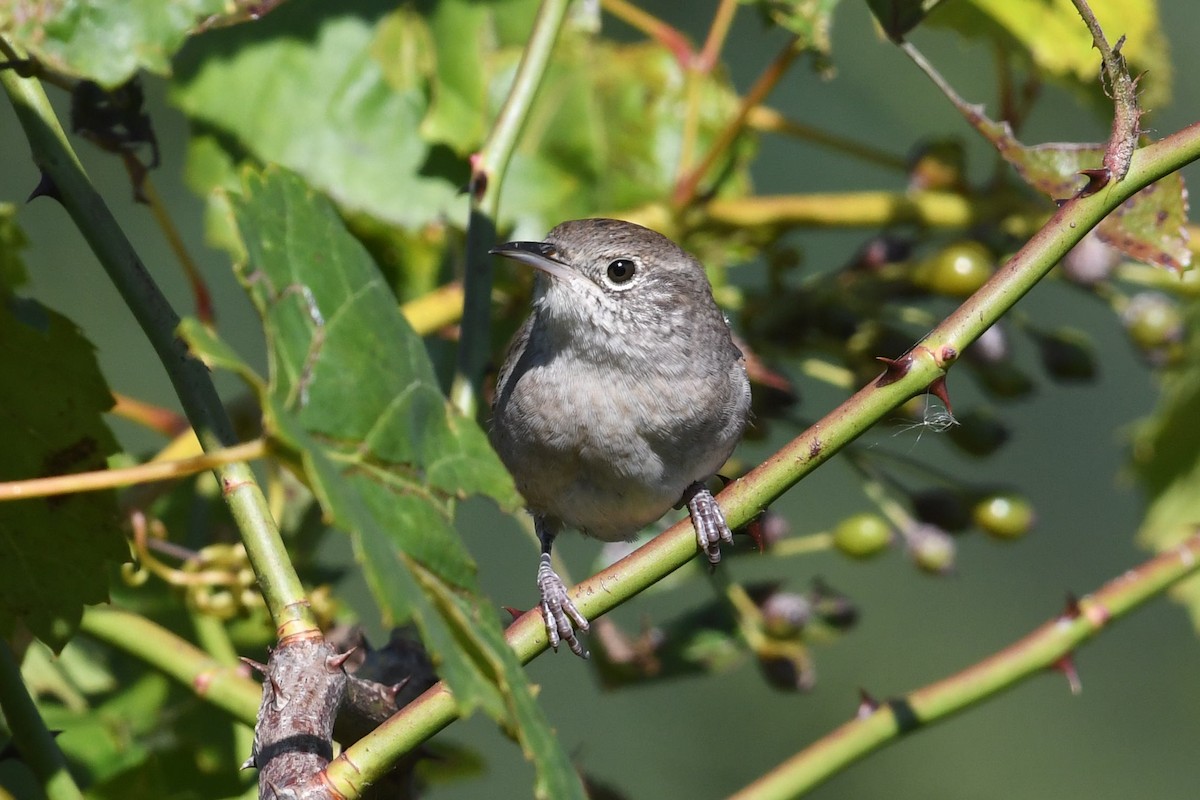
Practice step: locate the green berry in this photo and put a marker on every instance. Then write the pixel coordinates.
(862, 535)
(1005, 516)
(957, 270)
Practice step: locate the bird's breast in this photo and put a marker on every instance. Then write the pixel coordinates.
(609, 450)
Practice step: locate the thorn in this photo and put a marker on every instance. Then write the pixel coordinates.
(335, 662)
(938, 389)
(46, 188)
(395, 689)
(1066, 665)
(1072, 611)
(254, 665)
(867, 705)
(1097, 179)
(894, 369)
(515, 613)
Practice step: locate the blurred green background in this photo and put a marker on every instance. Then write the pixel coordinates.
(1134, 730)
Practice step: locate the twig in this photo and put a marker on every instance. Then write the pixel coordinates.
(487, 175)
(148, 415)
(717, 33)
(1123, 90)
(768, 120)
(688, 186)
(200, 293)
(665, 34)
(871, 210)
(128, 476)
(222, 685)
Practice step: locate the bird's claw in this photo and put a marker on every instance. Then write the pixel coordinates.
(561, 616)
(709, 522)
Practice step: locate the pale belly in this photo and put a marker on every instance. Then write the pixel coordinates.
(583, 459)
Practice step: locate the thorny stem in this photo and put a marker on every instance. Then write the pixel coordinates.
(52, 153)
(1042, 649)
(688, 186)
(1122, 88)
(487, 177)
(746, 497)
(128, 476)
(30, 736)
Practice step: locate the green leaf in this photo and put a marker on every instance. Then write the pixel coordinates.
(333, 100)
(353, 399)
(1052, 37)
(80, 37)
(607, 134)
(54, 552)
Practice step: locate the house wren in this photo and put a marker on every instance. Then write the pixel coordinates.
(620, 394)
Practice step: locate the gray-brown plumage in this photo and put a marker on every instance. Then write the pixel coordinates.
(620, 394)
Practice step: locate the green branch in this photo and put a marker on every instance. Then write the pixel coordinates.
(32, 739)
(488, 167)
(1049, 646)
(743, 499)
(210, 679)
(57, 160)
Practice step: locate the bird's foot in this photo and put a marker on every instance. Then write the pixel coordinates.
(709, 522)
(561, 616)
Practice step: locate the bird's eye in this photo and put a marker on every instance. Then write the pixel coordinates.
(621, 270)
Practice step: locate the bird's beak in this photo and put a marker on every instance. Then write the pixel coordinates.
(539, 255)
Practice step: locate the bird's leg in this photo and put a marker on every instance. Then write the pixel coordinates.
(709, 522)
(558, 611)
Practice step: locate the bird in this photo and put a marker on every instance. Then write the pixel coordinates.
(619, 396)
